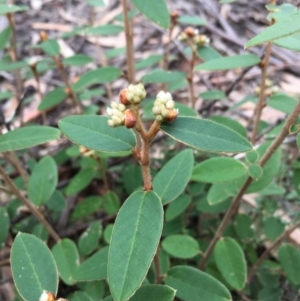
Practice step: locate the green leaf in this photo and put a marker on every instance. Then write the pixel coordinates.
(111, 202)
(8, 8)
(105, 30)
(56, 202)
(77, 60)
(42, 181)
(134, 241)
(289, 258)
(67, 259)
(149, 61)
(290, 42)
(231, 262)
(178, 206)
(89, 239)
(242, 226)
(207, 53)
(27, 137)
(80, 296)
(191, 283)
(191, 20)
(33, 267)
(4, 226)
(94, 133)
(95, 3)
(282, 102)
(206, 135)
(284, 27)
(94, 268)
(107, 233)
(151, 292)
(98, 76)
(86, 207)
(218, 169)
(53, 98)
(95, 289)
(50, 47)
(273, 227)
(252, 156)
(230, 62)
(115, 52)
(10, 66)
(171, 180)
(255, 171)
(156, 11)
(162, 76)
(213, 95)
(230, 123)
(270, 294)
(80, 181)
(181, 246)
(5, 37)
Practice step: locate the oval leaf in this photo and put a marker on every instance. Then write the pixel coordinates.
(231, 262)
(33, 267)
(43, 181)
(181, 246)
(151, 292)
(218, 169)
(206, 135)
(134, 241)
(230, 62)
(171, 180)
(156, 11)
(178, 206)
(94, 133)
(27, 137)
(289, 258)
(162, 76)
(53, 98)
(191, 284)
(67, 259)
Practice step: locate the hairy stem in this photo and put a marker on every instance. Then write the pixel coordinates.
(190, 77)
(15, 161)
(129, 44)
(235, 204)
(274, 245)
(260, 104)
(39, 216)
(13, 53)
(64, 77)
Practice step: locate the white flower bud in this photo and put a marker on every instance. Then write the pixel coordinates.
(44, 296)
(114, 105)
(111, 123)
(130, 95)
(164, 113)
(136, 99)
(156, 110)
(170, 104)
(117, 120)
(109, 111)
(121, 107)
(159, 118)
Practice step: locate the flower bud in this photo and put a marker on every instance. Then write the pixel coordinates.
(183, 37)
(47, 296)
(156, 110)
(111, 123)
(43, 36)
(130, 119)
(172, 115)
(190, 32)
(123, 97)
(174, 15)
(114, 105)
(121, 107)
(170, 104)
(159, 118)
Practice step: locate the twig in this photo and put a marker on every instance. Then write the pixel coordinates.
(235, 204)
(39, 216)
(15, 161)
(260, 104)
(13, 52)
(274, 245)
(38, 86)
(157, 266)
(129, 44)
(190, 77)
(64, 77)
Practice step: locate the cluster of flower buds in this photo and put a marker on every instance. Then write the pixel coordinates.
(270, 88)
(119, 115)
(133, 95)
(47, 296)
(191, 34)
(163, 108)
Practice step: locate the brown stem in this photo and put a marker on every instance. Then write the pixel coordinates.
(129, 44)
(274, 245)
(260, 104)
(167, 49)
(15, 161)
(104, 175)
(13, 52)
(190, 77)
(38, 85)
(235, 204)
(64, 77)
(39, 216)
